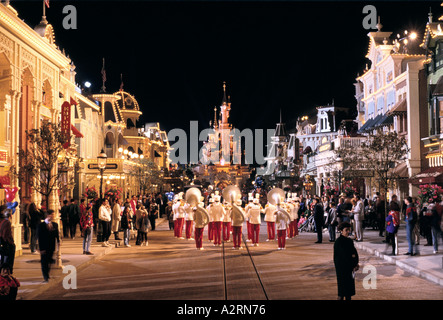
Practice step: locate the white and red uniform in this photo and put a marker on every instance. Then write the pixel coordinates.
(270, 220)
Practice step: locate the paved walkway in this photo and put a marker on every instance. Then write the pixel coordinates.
(27, 267)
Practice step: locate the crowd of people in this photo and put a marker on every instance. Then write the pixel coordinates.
(421, 221)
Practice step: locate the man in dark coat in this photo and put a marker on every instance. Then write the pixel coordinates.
(74, 217)
(319, 219)
(48, 237)
(345, 261)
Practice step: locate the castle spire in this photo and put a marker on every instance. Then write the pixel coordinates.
(225, 100)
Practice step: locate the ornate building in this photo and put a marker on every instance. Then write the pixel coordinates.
(222, 161)
(36, 77)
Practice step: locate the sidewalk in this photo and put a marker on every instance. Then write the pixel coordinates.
(426, 264)
(27, 267)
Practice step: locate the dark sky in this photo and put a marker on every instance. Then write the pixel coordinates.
(174, 56)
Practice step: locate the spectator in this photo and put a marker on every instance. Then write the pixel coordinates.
(411, 220)
(143, 226)
(74, 217)
(318, 219)
(346, 262)
(392, 225)
(87, 225)
(64, 216)
(36, 216)
(126, 225)
(6, 240)
(48, 238)
(116, 218)
(105, 214)
(331, 221)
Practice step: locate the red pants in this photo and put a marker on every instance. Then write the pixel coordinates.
(189, 229)
(271, 230)
(180, 222)
(236, 236)
(248, 226)
(198, 235)
(255, 228)
(281, 235)
(296, 227)
(226, 231)
(175, 228)
(291, 230)
(211, 231)
(217, 232)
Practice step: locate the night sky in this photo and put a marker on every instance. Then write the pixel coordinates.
(174, 56)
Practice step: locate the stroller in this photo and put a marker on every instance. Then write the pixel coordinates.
(307, 224)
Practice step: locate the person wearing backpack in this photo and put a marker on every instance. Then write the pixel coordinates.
(392, 225)
(411, 220)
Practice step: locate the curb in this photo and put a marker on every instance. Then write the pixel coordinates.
(422, 274)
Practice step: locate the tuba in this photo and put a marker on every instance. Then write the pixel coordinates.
(192, 197)
(232, 194)
(276, 196)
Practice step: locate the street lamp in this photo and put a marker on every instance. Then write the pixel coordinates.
(101, 162)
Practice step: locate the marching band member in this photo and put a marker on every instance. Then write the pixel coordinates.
(248, 224)
(270, 220)
(282, 219)
(255, 220)
(226, 222)
(289, 207)
(296, 202)
(180, 216)
(175, 205)
(238, 217)
(201, 218)
(216, 212)
(189, 219)
(211, 220)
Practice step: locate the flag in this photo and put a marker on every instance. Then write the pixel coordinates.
(47, 3)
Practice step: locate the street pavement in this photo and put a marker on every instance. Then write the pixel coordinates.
(427, 265)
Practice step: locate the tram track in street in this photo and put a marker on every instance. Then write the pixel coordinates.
(241, 278)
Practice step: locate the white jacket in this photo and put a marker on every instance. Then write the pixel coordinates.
(105, 213)
(189, 212)
(269, 212)
(254, 214)
(216, 212)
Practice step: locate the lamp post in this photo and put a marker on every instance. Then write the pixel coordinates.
(101, 162)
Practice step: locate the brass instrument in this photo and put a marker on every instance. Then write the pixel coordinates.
(276, 197)
(192, 197)
(232, 194)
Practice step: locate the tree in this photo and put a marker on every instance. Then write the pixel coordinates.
(38, 163)
(377, 157)
(149, 174)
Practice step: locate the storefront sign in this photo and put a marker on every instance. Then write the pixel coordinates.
(3, 156)
(66, 122)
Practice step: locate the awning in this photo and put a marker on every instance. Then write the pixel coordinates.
(386, 120)
(430, 175)
(400, 171)
(367, 124)
(75, 131)
(122, 141)
(399, 107)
